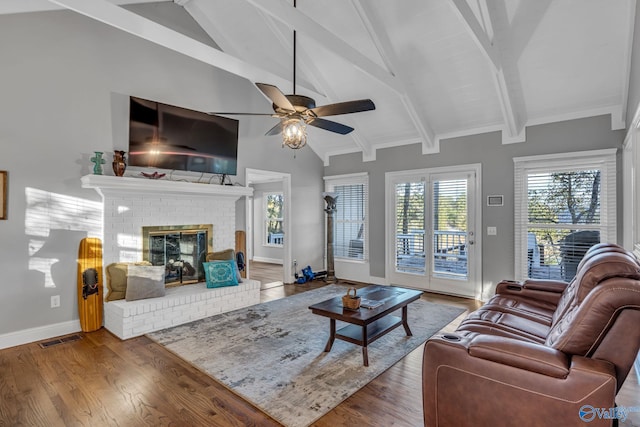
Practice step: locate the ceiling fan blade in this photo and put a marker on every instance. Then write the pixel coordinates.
(274, 130)
(276, 95)
(330, 126)
(344, 108)
(215, 113)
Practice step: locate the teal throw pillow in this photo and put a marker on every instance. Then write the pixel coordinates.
(220, 273)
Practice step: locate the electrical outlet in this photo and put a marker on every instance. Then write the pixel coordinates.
(492, 231)
(55, 301)
(295, 263)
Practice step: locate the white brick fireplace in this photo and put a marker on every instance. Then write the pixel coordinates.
(131, 203)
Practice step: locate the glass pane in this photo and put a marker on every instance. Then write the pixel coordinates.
(410, 221)
(188, 257)
(555, 253)
(564, 197)
(275, 203)
(349, 221)
(450, 228)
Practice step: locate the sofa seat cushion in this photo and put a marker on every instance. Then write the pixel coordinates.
(492, 322)
(538, 311)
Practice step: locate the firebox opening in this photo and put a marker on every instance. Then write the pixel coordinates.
(181, 249)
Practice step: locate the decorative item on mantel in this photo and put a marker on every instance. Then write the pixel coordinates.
(154, 175)
(98, 161)
(119, 163)
(331, 199)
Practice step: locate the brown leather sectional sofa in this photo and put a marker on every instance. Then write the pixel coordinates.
(540, 352)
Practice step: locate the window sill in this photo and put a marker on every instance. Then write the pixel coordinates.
(352, 260)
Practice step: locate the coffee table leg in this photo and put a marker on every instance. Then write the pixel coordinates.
(365, 342)
(332, 334)
(404, 321)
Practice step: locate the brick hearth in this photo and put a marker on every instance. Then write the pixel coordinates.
(131, 203)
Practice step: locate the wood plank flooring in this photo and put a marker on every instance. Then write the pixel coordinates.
(269, 275)
(100, 380)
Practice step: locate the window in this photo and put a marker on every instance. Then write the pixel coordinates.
(564, 205)
(350, 218)
(273, 210)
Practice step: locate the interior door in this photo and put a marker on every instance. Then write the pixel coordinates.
(431, 239)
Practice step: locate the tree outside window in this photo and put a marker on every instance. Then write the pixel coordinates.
(564, 221)
(274, 208)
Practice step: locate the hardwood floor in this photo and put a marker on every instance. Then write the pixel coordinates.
(100, 380)
(269, 275)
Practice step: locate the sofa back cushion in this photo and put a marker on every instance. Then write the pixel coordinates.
(585, 326)
(598, 265)
(607, 281)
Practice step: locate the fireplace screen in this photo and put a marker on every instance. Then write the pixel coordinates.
(180, 249)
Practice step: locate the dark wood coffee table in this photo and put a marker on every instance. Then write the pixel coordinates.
(367, 324)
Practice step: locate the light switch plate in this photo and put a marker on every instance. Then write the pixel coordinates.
(492, 231)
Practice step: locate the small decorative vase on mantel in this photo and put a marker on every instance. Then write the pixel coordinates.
(97, 161)
(119, 163)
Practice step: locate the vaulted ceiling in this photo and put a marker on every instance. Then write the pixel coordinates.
(434, 68)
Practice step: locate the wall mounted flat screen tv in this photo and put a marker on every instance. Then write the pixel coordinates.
(167, 137)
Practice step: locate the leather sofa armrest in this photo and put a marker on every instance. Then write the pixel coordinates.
(519, 354)
(461, 369)
(537, 289)
(556, 286)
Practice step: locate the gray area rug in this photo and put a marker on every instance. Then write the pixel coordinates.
(272, 354)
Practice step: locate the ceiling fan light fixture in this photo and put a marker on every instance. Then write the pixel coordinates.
(294, 133)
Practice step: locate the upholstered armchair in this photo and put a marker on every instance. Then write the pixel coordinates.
(540, 352)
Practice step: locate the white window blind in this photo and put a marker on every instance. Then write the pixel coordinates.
(350, 218)
(410, 224)
(564, 205)
(449, 201)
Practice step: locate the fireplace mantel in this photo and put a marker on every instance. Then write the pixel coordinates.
(105, 184)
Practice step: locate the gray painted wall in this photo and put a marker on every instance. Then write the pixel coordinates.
(497, 178)
(63, 81)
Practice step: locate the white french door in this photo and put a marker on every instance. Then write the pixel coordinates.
(431, 230)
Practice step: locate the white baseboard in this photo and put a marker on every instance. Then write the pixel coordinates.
(268, 260)
(26, 336)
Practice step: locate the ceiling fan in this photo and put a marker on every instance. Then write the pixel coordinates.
(297, 111)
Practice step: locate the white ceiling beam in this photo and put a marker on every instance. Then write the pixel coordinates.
(477, 32)
(385, 49)
(619, 123)
(284, 12)
(307, 64)
(203, 19)
(514, 126)
(24, 6)
(144, 28)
